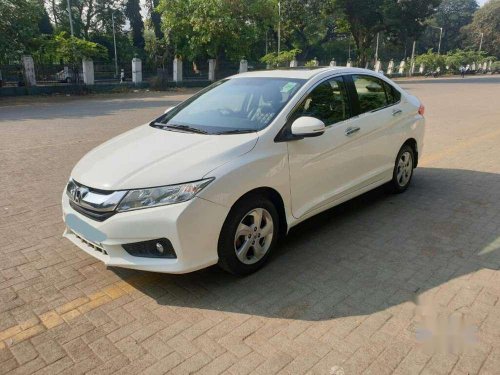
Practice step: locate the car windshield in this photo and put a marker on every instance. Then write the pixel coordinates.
(238, 105)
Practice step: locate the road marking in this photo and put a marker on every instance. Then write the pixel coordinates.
(70, 310)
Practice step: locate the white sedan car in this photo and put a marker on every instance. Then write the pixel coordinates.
(221, 177)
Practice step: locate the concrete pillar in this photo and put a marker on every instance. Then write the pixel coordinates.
(315, 62)
(211, 69)
(243, 66)
(421, 69)
(378, 66)
(177, 69)
(349, 63)
(333, 63)
(390, 67)
(29, 70)
(136, 70)
(402, 67)
(88, 72)
(294, 63)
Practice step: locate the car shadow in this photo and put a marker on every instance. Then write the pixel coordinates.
(366, 255)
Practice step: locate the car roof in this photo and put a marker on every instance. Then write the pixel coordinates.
(300, 73)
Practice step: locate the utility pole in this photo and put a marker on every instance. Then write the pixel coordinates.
(114, 41)
(481, 42)
(279, 27)
(70, 18)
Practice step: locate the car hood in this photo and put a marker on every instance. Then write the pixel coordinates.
(148, 157)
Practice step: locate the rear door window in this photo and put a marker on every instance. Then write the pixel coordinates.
(371, 93)
(393, 95)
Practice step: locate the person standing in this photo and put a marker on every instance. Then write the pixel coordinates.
(462, 71)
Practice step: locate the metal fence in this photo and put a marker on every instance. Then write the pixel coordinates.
(12, 75)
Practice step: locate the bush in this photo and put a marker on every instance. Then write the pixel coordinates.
(431, 61)
(283, 58)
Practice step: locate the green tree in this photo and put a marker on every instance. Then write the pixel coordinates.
(306, 24)
(451, 15)
(400, 18)
(18, 26)
(214, 28)
(155, 17)
(486, 20)
(73, 50)
(133, 13)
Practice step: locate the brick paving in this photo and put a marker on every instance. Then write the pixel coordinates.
(383, 284)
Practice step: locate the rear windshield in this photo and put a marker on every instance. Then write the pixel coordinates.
(233, 105)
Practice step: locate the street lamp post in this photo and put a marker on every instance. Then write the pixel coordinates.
(440, 37)
(114, 41)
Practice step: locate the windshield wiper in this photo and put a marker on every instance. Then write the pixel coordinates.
(237, 131)
(185, 128)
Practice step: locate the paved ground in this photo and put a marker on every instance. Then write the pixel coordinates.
(384, 284)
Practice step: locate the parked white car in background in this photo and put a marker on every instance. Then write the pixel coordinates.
(220, 177)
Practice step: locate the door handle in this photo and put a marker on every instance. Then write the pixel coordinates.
(396, 111)
(350, 131)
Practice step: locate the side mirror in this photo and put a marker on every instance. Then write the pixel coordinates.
(306, 126)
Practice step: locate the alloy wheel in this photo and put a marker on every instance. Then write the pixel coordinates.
(254, 236)
(405, 169)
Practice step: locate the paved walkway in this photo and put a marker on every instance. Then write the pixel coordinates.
(383, 284)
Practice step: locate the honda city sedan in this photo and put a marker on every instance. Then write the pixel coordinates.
(219, 178)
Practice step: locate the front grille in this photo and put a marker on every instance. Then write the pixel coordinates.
(94, 215)
(91, 244)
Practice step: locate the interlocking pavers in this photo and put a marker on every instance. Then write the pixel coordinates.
(353, 290)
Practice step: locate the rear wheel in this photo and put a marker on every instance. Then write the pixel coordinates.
(248, 235)
(403, 170)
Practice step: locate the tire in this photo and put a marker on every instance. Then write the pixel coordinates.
(403, 170)
(244, 243)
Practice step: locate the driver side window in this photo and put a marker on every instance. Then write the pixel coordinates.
(327, 102)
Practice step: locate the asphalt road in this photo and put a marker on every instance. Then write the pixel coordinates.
(382, 284)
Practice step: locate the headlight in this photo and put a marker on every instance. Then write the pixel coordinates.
(159, 196)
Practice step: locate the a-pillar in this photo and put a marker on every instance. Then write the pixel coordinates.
(88, 72)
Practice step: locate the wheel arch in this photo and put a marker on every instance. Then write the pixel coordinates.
(412, 142)
(275, 197)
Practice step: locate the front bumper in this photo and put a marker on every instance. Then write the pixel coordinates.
(192, 227)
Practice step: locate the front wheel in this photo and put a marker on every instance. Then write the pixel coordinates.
(248, 235)
(403, 170)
